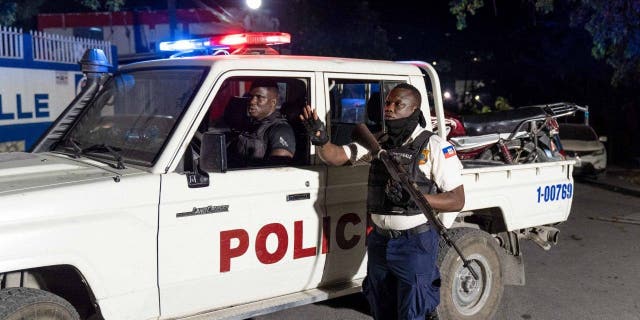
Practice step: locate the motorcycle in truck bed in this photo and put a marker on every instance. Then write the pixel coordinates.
(128, 207)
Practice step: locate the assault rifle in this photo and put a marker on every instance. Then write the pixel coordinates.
(363, 136)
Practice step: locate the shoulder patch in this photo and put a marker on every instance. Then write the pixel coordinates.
(449, 152)
(423, 157)
(283, 142)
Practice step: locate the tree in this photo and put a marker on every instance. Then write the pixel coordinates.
(614, 26)
(21, 12)
(7, 12)
(109, 5)
(315, 31)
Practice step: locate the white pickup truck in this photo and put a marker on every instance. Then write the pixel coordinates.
(128, 209)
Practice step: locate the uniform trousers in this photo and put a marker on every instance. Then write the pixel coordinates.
(403, 281)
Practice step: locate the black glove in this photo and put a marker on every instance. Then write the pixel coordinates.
(313, 126)
(396, 193)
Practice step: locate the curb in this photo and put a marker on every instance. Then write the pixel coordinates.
(611, 187)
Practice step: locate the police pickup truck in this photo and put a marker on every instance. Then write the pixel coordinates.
(128, 209)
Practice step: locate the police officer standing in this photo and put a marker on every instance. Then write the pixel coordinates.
(403, 281)
(269, 139)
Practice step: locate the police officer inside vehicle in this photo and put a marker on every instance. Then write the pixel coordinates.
(269, 139)
(403, 281)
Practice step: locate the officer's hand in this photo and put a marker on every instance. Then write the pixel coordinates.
(396, 193)
(314, 126)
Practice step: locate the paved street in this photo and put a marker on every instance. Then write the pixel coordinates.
(593, 272)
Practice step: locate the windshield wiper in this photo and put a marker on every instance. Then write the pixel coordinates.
(111, 150)
(74, 144)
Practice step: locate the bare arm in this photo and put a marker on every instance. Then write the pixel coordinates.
(282, 153)
(447, 201)
(330, 153)
(279, 157)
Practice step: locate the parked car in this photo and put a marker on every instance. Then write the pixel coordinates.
(582, 143)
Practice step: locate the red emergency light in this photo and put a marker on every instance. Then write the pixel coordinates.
(253, 39)
(253, 42)
(242, 43)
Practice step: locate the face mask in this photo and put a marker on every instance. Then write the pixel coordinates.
(399, 130)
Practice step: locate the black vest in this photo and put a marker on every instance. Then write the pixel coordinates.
(408, 156)
(251, 146)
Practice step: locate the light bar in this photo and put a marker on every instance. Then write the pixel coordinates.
(254, 39)
(243, 43)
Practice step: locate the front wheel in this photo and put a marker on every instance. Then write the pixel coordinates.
(34, 304)
(462, 296)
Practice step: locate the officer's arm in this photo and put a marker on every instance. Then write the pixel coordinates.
(282, 144)
(447, 201)
(281, 153)
(332, 154)
(446, 174)
(279, 157)
(329, 153)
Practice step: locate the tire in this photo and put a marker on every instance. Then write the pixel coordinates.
(34, 304)
(461, 297)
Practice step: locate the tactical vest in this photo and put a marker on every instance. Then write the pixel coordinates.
(408, 156)
(251, 145)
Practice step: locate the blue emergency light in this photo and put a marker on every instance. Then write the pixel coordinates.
(190, 44)
(242, 43)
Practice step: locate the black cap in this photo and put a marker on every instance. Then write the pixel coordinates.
(264, 82)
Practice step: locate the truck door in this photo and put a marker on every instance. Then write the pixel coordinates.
(253, 232)
(351, 101)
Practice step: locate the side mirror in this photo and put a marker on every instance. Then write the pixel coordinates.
(602, 138)
(213, 152)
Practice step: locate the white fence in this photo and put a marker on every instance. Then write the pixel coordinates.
(61, 49)
(39, 76)
(11, 43)
(45, 47)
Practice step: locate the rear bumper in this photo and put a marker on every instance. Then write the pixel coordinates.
(586, 168)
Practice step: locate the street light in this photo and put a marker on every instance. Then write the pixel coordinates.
(254, 4)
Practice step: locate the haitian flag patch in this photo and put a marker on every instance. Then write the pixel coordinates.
(449, 152)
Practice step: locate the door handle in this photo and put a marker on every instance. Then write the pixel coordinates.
(298, 196)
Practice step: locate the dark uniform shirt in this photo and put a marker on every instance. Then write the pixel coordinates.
(254, 146)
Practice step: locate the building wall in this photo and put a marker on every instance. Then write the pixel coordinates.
(140, 32)
(30, 100)
(39, 77)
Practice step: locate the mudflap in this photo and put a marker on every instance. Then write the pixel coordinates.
(512, 269)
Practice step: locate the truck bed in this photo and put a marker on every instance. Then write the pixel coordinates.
(518, 191)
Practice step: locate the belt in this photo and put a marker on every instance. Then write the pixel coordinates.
(393, 234)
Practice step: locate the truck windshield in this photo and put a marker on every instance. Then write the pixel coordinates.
(133, 115)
